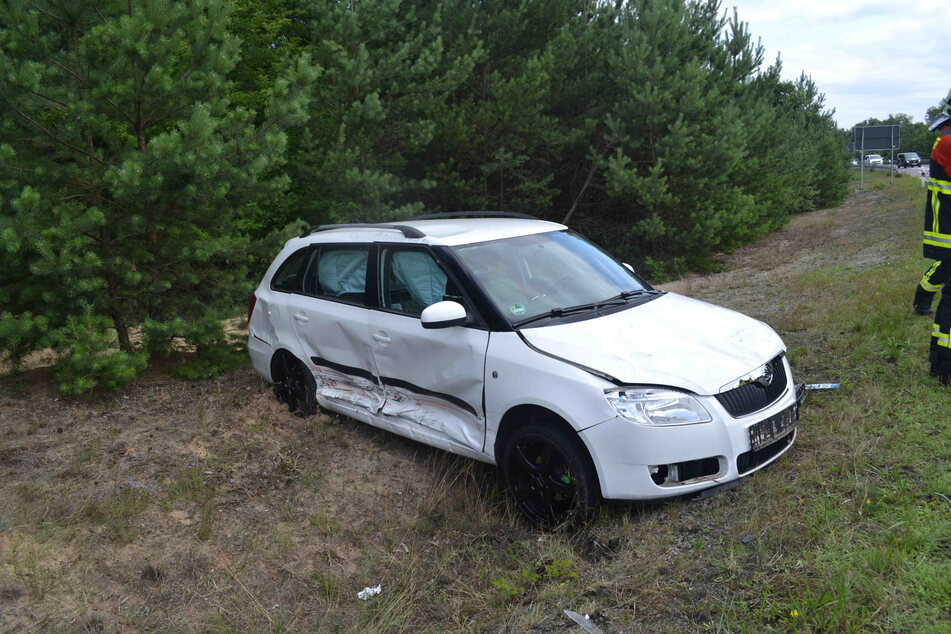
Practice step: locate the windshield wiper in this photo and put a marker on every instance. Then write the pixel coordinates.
(557, 312)
(624, 297)
(618, 300)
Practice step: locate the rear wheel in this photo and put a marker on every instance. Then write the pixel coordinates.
(294, 385)
(550, 475)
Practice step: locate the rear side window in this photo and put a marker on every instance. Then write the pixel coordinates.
(341, 273)
(290, 275)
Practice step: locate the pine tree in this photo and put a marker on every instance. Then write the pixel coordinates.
(499, 138)
(678, 133)
(389, 67)
(123, 167)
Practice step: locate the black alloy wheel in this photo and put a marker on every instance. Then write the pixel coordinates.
(295, 385)
(550, 476)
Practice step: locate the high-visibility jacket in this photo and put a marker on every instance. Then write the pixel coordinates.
(937, 237)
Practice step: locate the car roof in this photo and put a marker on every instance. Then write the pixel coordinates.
(442, 231)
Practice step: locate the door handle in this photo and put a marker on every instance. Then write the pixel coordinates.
(301, 317)
(382, 338)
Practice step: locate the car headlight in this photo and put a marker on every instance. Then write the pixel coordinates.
(657, 406)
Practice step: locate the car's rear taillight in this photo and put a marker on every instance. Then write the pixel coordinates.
(252, 300)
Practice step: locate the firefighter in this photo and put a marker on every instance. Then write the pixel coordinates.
(937, 246)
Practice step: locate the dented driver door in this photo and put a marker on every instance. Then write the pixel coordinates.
(432, 378)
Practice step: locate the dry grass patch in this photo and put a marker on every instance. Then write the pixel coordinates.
(207, 506)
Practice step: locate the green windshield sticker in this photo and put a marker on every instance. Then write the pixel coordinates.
(517, 309)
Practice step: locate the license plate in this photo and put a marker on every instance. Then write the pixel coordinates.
(773, 428)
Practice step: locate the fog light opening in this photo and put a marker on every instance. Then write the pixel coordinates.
(659, 474)
(683, 472)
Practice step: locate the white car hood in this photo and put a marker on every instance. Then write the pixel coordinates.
(672, 340)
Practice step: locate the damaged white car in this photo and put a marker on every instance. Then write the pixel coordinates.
(517, 342)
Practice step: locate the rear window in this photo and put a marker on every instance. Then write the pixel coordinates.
(290, 276)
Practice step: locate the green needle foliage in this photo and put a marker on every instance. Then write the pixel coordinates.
(153, 154)
(123, 167)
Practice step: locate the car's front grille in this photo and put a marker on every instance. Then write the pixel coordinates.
(749, 460)
(754, 396)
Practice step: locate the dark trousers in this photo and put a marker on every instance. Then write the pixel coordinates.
(932, 281)
(936, 277)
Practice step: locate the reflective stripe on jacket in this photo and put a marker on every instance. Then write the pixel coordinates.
(937, 234)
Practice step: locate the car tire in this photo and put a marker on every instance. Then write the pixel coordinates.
(550, 475)
(294, 385)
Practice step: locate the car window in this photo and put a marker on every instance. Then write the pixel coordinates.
(531, 275)
(341, 273)
(412, 280)
(290, 275)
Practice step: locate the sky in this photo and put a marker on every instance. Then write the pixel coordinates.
(870, 58)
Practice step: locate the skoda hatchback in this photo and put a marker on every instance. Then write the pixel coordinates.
(520, 343)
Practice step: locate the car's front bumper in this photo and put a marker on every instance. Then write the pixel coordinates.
(642, 462)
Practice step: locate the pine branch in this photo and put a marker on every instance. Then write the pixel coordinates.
(587, 181)
(148, 120)
(55, 139)
(25, 170)
(98, 240)
(45, 97)
(48, 13)
(68, 71)
(120, 112)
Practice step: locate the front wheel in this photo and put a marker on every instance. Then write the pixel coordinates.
(550, 475)
(294, 385)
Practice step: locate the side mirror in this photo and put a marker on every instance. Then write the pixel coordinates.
(443, 315)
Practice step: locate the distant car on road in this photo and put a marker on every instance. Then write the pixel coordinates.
(909, 159)
(873, 160)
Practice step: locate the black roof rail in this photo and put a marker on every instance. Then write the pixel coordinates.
(409, 232)
(475, 214)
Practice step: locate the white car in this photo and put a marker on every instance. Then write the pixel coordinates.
(873, 160)
(518, 342)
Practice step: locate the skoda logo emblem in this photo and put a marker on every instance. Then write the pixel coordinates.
(766, 378)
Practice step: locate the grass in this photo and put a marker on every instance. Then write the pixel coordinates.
(250, 519)
(26, 565)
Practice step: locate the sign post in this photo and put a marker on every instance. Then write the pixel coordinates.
(878, 138)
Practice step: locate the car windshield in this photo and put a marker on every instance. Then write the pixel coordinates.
(548, 274)
(911, 155)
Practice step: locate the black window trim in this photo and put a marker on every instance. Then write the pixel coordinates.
(482, 312)
(300, 290)
(370, 296)
(477, 320)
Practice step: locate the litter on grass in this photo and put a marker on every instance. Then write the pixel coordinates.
(368, 592)
(584, 622)
(822, 386)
